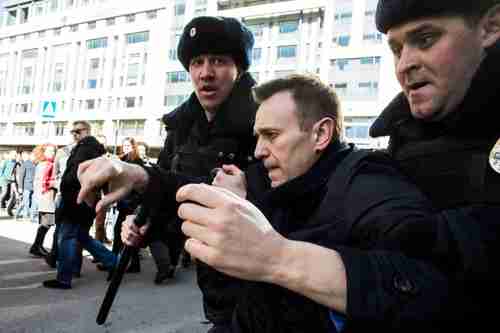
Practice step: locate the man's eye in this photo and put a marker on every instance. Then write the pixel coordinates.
(425, 41)
(196, 62)
(218, 61)
(396, 51)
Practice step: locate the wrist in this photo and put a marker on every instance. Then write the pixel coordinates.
(286, 269)
(141, 179)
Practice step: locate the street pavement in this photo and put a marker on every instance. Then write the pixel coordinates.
(140, 306)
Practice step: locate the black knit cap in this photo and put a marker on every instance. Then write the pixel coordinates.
(216, 35)
(391, 13)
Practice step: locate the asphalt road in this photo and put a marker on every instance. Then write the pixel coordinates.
(141, 306)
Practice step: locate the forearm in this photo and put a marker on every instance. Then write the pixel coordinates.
(313, 271)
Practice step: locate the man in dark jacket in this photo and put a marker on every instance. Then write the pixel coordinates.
(212, 127)
(443, 131)
(9, 179)
(324, 192)
(76, 219)
(25, 177)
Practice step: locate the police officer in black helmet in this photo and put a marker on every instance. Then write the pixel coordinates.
(211, 128)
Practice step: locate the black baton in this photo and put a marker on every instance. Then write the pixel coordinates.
(119, 270)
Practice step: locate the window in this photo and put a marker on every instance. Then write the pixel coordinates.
(287, 51)
(24, 15)
(57, 32)
(73, 28)
(92, 84)
(27, 78)
(24, 129)
(97, 127)
(172, 54)
(53, 5)
(58, 77)
(200, 12)
(91, 25)
(132, 128)
(130, 102)
(179, 9)
(97, 43)
(60, 128)
(93, 73)
(176, 77)
(41, 33)
(174, 100)
(24, 108)
(356, 78)
(39, 8)
(256, 55)
(110, 21)
(3, 129)
(152, 14)
(138, 37)
(288, 27)
(90, 104)
(343, 40)
(132, 74)
(94, 64)
(341, 88)
(256, 29)
(11, 17)
(366, 61)
(130, 18)
(374, 37)
(368, 88)
(344, 18)
(358, 127)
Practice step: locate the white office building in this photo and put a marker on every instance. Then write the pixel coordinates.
(114, 62)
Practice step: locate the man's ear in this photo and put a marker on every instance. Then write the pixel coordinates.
(323, 131)
(490, 24)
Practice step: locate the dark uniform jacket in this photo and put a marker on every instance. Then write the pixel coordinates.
(448, 160)
(351, 201)
(69, 211)
(193, 148)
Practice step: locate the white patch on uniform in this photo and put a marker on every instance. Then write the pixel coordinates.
(192, 32)
(495, 157)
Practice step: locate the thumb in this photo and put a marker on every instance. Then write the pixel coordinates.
(231, 169)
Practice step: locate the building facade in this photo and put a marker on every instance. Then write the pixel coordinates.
(114, 62)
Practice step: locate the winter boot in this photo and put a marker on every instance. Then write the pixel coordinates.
(37, 248)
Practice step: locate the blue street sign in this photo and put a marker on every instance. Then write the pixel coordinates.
(49, 109)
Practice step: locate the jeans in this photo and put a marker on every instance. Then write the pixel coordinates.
(68, 259)
(24, 209)
(34, 212)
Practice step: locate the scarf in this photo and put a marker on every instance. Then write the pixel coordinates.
(48, 175)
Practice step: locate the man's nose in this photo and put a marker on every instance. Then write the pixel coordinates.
(407, 61)
(207, 70)
(260, 150)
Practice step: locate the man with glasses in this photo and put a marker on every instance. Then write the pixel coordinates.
(76, 219)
